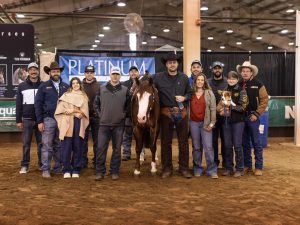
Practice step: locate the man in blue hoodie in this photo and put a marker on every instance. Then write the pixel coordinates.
(25, 115)
(45, 104)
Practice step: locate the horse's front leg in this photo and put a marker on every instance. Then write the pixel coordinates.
(153, 162)
(138, 149)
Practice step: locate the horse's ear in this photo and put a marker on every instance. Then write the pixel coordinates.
(150, 80)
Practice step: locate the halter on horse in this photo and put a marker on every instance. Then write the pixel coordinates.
(145, 112)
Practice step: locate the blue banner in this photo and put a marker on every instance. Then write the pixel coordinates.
(74, 66)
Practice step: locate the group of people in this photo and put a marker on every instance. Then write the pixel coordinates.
(63, 115)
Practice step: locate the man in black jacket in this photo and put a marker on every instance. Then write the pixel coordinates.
(91, 88)
(25, 115)
(174, 93)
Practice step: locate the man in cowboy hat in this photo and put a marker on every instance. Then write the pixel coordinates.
(46, 101)
(258, 102)
(218, 83)
(174, 92)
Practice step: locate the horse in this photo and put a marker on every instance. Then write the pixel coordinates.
(145, 112)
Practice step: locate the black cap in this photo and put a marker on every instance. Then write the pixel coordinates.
(133, 68)
(217, 63)
(89, 68)
(196, 62)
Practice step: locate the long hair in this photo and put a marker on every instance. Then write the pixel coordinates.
(70, 89)
(205, 86)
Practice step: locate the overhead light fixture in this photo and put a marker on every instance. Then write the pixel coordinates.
(94, 46)
(121, 4)
(208, 50)
(97, 41)
(258, 37)
(166, 30)
(284, 31)
(238, 43)
(106, 28)
(100, 35)
(182, 47)
(20, 15)
(222, 47)
(270, 47)
(180, 21)
(144, 42)
(92, 49)
(210, 38)
(153, 37)
(39, 45)
(229, 31)
(290, 10)
(204, 6)
(132, 41)
(291, 43)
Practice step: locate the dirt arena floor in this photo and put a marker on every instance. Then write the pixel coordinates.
(272, 199)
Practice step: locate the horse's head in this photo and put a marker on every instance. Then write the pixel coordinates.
(143, 99)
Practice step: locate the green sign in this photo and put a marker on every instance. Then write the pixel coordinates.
(8, 116)
(281, 112)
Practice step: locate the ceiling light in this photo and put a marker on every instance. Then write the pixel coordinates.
(106, 28)
(20, 15)
(94, 46)
(210, 38)
(290, 11)
(92, 49)
(222, 47)
(166, 30)
(100, 35)
(204, 8)
(291, 43)
(144, 42)
(238, 43)
(121, 4)
(182, 47)
(208, 50)
(153, 37)
(180, 21)
(39, 45)
(284, 31)
(258, 37)
(97, 41)
(229, 31)
(270, 47)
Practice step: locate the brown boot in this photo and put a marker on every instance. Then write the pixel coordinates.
(258, 172)
(248, 170)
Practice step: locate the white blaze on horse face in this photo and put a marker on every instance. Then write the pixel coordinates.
(143, 106)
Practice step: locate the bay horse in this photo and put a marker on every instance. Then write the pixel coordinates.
(145, 112)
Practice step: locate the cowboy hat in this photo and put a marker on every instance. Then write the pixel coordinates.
(53, 66)
(170, 56)
(247, 64)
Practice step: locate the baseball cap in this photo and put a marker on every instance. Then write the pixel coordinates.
(115, 69)
(89, 68)
(33, 64)
(217, 63)
(196, 62)
(133, 68)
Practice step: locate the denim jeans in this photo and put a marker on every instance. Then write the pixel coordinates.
(71, 150)
(233, 134)
(30, 126)
(94, 127)
(198, 134)
(115, 133)
(218, 132)
(251, 132)
(50, 145)
(127, 138)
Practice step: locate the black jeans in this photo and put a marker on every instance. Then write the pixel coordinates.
(218, 132)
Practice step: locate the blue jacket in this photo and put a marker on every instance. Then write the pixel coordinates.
(25, 100)
(46, 99)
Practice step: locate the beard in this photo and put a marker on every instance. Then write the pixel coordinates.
(217, 75)
(55, 78)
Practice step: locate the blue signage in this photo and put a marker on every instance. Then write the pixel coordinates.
(74, 66)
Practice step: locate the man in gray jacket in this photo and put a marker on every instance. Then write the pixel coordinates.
(110, 104)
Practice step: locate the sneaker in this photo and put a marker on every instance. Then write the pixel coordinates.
(23, 170)
(258, 172)
(214, 176)
(99, 176)
(75, 175)
(67, 175)
(46, 174)
(197, 174)
(238, 174)
(115, 176)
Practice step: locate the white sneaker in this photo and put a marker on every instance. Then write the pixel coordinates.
(75, 175)
(23, 170)
(67, 175)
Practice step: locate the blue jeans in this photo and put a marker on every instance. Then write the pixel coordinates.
(233, 134)
(198, 134)
(127, 138)
(94, 126)
(30, 126)
(251, 132)
(72, 145)
(104, 135)
(51, 145)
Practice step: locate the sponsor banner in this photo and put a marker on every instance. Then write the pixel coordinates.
(281, 112)
(16, 52)
(74, 66)
(8, 116)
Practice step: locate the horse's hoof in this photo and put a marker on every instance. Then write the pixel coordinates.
(153, 173)
(136, 172)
